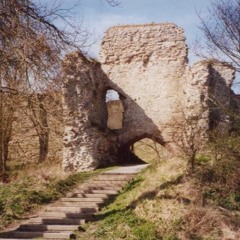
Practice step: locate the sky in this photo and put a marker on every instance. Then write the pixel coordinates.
(97, 16)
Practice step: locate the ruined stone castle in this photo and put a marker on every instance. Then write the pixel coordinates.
(147, 65)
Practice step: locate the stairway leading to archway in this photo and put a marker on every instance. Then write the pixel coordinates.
(60, 219)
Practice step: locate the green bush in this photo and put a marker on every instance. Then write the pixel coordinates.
(221, 178)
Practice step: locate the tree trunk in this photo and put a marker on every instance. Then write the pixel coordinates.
(43, 146)
(6, 118)
(43, 130)
(2, 155)
(191, 162)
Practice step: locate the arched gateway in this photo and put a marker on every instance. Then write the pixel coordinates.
(147, 66)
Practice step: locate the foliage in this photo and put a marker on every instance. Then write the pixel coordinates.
(203, 159)
(221, 178)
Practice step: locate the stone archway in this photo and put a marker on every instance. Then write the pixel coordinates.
(127, 154)
(150, 151)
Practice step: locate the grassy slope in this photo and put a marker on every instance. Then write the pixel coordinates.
(163, 203)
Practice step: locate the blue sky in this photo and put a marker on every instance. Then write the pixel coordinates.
(98, 16)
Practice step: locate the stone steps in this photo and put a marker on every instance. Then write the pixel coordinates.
(102, 186)
(60, 219)
(109, 182)
(42, 234)
(66, 209)
(111, 177)
(81, 199)
(71, 215)
(79, 204)
(96, 191)
(45, 227)
(89, 195)
(57, 221)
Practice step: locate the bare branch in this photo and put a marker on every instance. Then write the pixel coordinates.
(221, 30)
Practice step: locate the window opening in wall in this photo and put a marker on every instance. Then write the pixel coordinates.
(112, 95)
(115, 110)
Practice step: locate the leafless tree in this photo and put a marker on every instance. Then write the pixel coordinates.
(221, 30)
(31, 48)
(190, 136)
(190, 141)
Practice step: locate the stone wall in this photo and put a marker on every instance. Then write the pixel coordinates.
(87, 142)
(146, 63)
(220, 93)
(161, 95)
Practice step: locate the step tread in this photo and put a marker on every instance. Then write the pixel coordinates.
(98, 187)
(106, 178)
(106, 191)
(102, 184)
(82, 199)
(89, 195)
(33, 227)
(66, 215)
(72, 209)
(119, 174)
(59, 221)
(78, 204)
(26, 234)
(108, 183)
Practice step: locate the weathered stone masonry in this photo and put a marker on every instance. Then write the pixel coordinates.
(87, 142)
(147, 66)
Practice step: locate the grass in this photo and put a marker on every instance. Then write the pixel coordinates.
(165, 203)
(125, 224)
(222, 184)
(161, 203)
(119, 221)
(128, 217)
